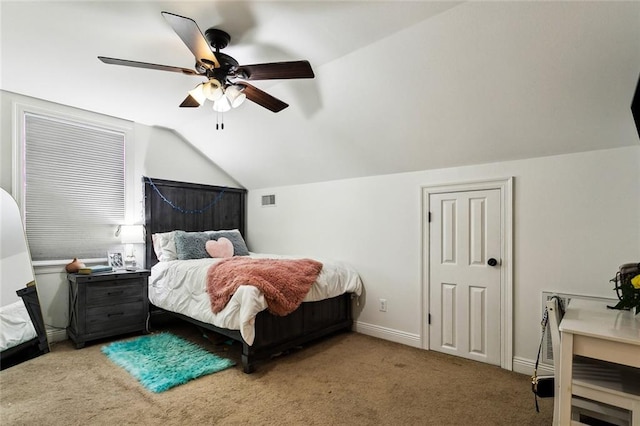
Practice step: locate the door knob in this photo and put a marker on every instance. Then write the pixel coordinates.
(492, 262)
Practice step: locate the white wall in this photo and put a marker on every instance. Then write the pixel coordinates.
(576, 219)
(156, 152)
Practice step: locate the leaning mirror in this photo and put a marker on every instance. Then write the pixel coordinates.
(22, 332)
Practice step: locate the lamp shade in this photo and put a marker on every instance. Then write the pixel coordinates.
(235, 95)
(222, 105)
(198, 94)
(212, 90)
(132, 234)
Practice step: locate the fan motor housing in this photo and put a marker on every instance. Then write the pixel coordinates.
(217, 38)
(227, 67)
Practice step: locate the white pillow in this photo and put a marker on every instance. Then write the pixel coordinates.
(165, 246)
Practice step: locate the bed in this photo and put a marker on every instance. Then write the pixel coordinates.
(23, 335)
(183, 211)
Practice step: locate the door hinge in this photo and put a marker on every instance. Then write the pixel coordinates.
(429, 319)
(429, 219)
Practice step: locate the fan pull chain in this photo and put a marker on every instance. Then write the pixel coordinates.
(219, 121)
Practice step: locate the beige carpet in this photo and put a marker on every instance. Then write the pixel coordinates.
(347, 379)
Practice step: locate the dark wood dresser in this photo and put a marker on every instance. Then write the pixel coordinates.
(107, 304)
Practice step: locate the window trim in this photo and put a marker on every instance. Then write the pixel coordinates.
(82, 117)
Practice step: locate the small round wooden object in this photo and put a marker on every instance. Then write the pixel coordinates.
(74, 266)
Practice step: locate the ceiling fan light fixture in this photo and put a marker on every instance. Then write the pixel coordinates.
(222, 104)
(235, 95)
(212, 89)
(221, 69)
(197, 93)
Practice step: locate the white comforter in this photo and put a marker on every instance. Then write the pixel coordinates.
(15, 325)
(181, 286)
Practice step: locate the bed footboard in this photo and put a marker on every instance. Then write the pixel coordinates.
(310, 321)
(275, 334)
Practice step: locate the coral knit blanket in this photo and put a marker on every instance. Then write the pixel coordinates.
(284, 282)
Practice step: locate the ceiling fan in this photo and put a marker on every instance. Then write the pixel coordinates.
(226, 83)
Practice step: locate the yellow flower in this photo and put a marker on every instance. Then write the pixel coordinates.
(635, 282)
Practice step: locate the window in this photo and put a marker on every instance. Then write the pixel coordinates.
(72, 186)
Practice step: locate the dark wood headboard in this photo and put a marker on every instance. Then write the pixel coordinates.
(171, 205)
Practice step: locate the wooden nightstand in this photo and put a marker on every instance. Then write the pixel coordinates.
(107, 304)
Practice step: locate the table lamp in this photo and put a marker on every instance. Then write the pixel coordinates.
(130, 235)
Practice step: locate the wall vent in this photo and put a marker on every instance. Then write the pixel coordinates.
(547, 348)
(269, 200)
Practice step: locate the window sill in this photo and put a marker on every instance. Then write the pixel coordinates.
(57, 266)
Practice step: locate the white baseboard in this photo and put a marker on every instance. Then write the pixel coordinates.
(60, 334)
(388, 334)
(526, 366)
(56, 334)
(520, 365)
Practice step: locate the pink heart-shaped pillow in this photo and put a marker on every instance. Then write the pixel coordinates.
(221, 248)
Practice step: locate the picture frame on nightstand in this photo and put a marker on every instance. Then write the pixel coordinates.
(116, 260)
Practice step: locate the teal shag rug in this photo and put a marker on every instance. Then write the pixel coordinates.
(164, 360)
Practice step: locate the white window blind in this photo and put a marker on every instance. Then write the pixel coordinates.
(74, 188)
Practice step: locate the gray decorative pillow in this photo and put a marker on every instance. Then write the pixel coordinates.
(191, 245)
(239, 245)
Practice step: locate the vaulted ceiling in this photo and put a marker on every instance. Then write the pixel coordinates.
(399, 86)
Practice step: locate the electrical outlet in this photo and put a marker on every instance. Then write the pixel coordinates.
(383, 305)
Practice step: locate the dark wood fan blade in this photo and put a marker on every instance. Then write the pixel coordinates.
(189, 102)
(114, 61)
(276, 70)
(190, 33)
(263, 98)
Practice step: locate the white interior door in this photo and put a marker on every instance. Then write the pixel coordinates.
(464, 282)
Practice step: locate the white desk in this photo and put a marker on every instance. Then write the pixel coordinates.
(590, 329)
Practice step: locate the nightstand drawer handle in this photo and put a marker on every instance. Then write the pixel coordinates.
(116, 314)
(111, 293)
